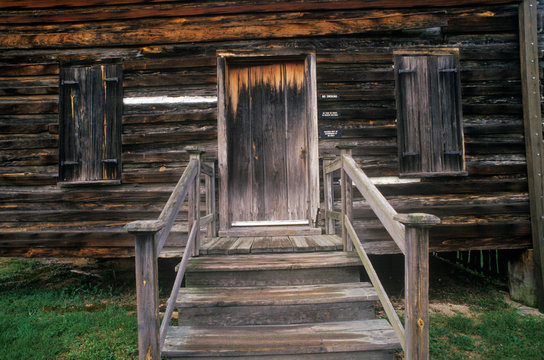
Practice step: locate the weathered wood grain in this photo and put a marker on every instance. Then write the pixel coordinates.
(532, 119)
(227, 28)
(283, 340)
(355, 68)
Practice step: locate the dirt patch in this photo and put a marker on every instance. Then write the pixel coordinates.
(522, 309)
(449, 309)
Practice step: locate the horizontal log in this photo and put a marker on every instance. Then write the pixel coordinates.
(36, 90)
(168, 79)
(28, 81)
(467, 205)
(488, 109)
(149, 177)
(470, 234)
(126, 194)
(51, 216)
(490, 74)
(86, 252)
(23, 127)
(351, 74)
(16, 70)
(29, 142)
(484, 22)
(189, 115)
(250, 26)
(175, 10)
(23, 179)
(469, 186)
(178, 136)
(169, 63)
(75, 239)
(29, 107)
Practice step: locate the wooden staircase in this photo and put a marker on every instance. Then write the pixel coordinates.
(278, 306)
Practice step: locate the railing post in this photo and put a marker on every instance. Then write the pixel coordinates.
(328, 195)
(346, 191)
(210, 201)
(147, 287)
(416, 282)
(193, 198)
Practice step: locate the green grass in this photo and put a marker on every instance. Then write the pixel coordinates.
(487, 334)
(488, 328)
(48, 312)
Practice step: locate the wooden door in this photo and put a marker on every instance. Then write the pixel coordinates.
(267, 143)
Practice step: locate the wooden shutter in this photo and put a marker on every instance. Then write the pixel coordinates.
(71, 112)
(112, 84)
(430, 135)
(90, 123)
(449, 91)
(412, 99)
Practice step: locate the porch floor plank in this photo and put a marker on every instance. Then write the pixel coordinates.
(270, 244)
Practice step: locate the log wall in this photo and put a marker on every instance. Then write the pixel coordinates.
(168, 49)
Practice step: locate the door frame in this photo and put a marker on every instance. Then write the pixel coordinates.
(223, 60)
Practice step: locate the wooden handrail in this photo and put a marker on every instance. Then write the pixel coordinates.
(379, 204)
(410, 233)
(382, 295)
(177, 284)
(150, 237)
(177, 198)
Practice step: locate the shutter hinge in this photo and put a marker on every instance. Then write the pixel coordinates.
(407, 153)
(68, 163)
(109, 161)
(402, 71)
(448, 70)
(114, 79)
(459, 153)
(69, 82)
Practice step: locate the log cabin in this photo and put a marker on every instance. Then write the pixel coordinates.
(437, 103)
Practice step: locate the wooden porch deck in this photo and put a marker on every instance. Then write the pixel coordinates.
(269, 244)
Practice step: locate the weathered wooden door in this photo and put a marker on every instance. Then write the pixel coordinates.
(267, 143)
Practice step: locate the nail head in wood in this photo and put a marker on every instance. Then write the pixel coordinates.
(417, 219)
(145, 226)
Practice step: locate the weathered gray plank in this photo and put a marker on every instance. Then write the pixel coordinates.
(532, 119)
(285, 340)
(242, 245)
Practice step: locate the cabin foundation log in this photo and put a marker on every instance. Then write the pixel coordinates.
(521, 278)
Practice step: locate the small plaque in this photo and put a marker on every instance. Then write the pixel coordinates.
(330, 134)
(329, 97)
(330, 114)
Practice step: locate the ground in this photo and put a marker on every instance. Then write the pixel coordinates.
(78, 309)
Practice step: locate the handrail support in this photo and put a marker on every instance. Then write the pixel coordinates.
(347, 197)
(328, 194)
(194, 198)
(147, 286)
(416, 280)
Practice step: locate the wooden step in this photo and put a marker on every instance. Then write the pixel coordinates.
(368, 339)
(272, 305)
(269, 244)
(274, 269)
